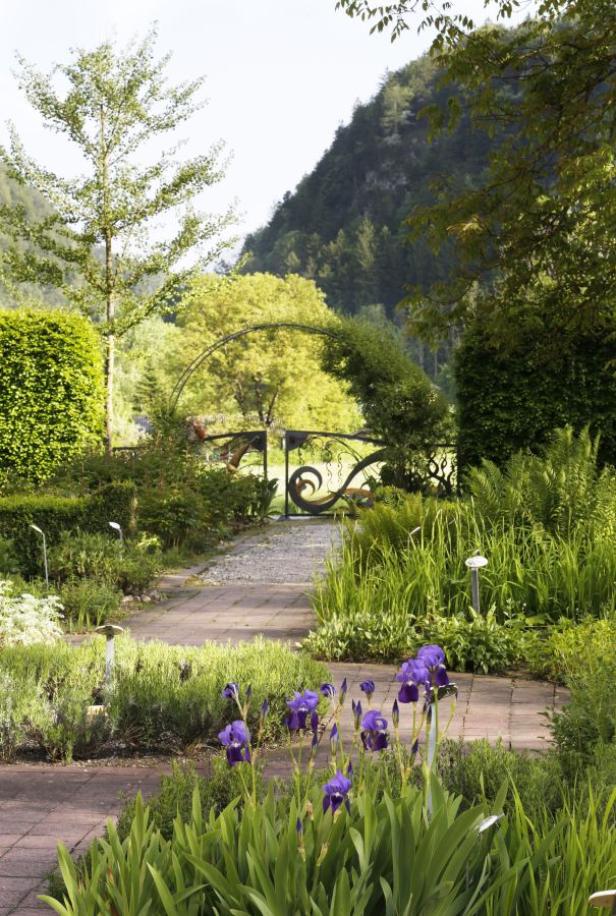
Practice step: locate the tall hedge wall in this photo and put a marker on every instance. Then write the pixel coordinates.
(51, 390)
(513, 399)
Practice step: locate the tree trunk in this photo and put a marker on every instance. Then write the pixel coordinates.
(109, 299)
(109, 374)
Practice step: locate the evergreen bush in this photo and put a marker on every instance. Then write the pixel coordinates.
(51, 391)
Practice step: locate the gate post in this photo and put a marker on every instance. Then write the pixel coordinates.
(286, 475)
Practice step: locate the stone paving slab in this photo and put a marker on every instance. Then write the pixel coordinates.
(41, 806)
(279, 611)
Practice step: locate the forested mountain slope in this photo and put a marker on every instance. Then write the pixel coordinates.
(343, 225)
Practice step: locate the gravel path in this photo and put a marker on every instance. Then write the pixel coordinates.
(292, 551)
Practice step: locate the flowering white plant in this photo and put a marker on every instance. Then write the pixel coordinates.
(25, 619)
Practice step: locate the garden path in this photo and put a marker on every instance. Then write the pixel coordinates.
(260, 586)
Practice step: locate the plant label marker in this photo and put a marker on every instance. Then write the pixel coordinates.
(475, 564)
(110, 631)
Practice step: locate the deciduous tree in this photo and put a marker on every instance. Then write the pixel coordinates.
(101, 244)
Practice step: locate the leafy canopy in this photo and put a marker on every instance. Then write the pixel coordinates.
(116, 103)
(268, 378)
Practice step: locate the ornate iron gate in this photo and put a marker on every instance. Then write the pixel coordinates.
(306, 487)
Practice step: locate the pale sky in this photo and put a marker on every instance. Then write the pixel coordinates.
(281, 75)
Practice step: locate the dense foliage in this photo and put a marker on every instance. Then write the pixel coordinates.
(98, 242)
(546, 524)
(162, 697)
(181, 499)
(400, 404)
(512, 397)
(267, 378)
(59, 515)
(51, 397)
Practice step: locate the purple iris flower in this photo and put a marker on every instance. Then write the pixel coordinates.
(231, 691)
(374, 731)
(328, 690)
(236, 738)
(301, 706)
(336, 792)
(357, 712)
(433, 658)
(333, 739)
(412, 675)
(367, 687)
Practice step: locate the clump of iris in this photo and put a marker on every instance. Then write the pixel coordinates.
(423, 673)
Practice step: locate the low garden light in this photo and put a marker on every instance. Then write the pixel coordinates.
(475, 564)
(110, 631)
(603, 900)
(42, 534)
(117, 527)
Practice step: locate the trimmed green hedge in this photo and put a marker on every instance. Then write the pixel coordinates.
(55, 514)
(513, 399)
(51, 390)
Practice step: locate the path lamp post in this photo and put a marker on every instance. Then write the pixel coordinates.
(42, 534)
(117, 527)
(475, 564)
(110, 631)
(603, 900)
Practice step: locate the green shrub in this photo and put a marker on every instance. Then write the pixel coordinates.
(177, 516)
(59, 515)
(163, 697)
(9, 561)
(128, 565)
(399, 403)
(51, 390)
(88, 603)
(585, 658)
(474, 642)
(53, 514)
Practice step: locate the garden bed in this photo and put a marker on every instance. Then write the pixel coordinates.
(161, 699)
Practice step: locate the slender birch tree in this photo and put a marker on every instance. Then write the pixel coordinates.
(121, 240)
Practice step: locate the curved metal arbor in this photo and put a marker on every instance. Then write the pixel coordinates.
(198, 361)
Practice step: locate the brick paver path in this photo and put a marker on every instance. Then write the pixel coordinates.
(260, 587)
